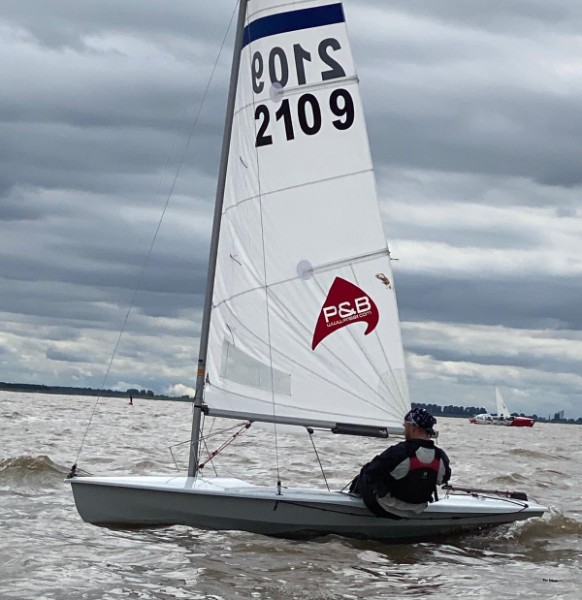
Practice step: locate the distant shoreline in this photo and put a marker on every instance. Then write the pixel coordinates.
(73, 391)
(438, 411)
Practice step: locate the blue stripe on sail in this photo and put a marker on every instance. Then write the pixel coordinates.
(293, 21)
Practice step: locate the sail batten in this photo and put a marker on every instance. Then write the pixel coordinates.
(312, 270)
(304, 321)
(290, 91)
(296, 187)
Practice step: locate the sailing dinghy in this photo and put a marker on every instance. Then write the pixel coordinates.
(503, 416)
(300, 325)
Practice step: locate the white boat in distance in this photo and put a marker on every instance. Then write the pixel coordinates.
(503, 416)
(300, 325)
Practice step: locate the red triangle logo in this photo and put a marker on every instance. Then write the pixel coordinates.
(345, 304)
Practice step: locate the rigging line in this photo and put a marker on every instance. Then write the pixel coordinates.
(260, 199)
(219, 432)
(203, 438)
(174, 459)
(400, 396)
(225, 444)
(208, 451)
(164, 210)
(348, 484)
(310, 432)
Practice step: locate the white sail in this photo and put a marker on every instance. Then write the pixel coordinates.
(304, 322)
(502, 410)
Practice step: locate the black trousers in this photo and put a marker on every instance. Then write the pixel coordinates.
(369, 497)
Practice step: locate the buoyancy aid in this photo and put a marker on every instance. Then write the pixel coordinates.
(420, 483)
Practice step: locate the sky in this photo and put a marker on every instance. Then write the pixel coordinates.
(111, 116)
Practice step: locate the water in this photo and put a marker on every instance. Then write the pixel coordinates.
(46, 551)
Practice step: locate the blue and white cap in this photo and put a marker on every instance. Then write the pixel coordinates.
(422, 419)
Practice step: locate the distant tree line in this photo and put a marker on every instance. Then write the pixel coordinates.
(469, 411)
(34, 388)
(450, 410)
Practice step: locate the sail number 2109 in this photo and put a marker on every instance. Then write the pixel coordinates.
(277, 64)
(307, 114)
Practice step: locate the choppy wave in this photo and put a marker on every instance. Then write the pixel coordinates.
(526, 452)
(536, 537)
(510, 479)
(535, 454)
(25, 467)
(13, 415)
(555, 524)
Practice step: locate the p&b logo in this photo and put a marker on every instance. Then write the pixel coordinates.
(345, 304)
(346, 310)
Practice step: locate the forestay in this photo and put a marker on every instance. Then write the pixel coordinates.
(304, 322)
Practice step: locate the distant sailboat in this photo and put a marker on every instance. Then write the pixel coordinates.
(503, 416)
(502, 410)
(300, 324)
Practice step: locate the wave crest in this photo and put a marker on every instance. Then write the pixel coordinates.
(25, 466)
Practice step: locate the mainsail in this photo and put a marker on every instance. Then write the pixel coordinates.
(502, 410)
(304, 323)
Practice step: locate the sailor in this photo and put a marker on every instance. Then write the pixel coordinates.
(402, 480)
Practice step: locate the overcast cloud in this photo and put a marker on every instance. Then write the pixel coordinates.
(475, 118)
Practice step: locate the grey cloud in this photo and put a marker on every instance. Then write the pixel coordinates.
(525, 360)
(12, 209)
(531, 302)
(66, 22)
(474, 101)
(99, 297)
(464, 236)
(543, 146)
(427, 188)
(99, 161)
(71, 356)
(560, 15)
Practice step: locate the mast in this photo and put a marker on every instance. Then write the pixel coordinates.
(201, 372)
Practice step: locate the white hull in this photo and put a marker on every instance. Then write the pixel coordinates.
(231, 504)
